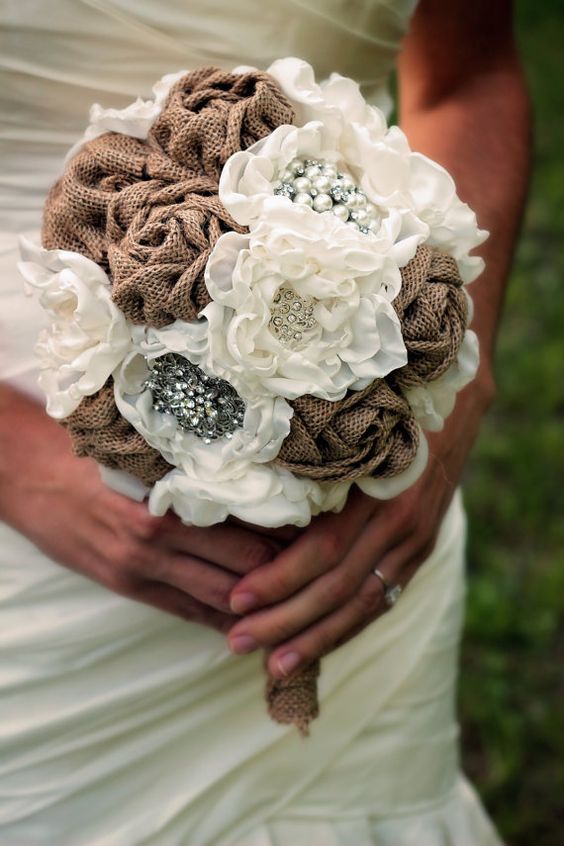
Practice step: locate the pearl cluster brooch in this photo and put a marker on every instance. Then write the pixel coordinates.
(205, 405)
(292, 315)
(319, 185)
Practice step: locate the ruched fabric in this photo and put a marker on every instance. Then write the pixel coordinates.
(121, 725)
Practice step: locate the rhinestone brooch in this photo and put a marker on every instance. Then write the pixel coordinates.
(207, 406)
(292, 315)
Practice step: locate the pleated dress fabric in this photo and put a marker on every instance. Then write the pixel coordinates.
(124, 726)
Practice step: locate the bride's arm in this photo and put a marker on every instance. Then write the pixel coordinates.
(61, 504)
(464, 103)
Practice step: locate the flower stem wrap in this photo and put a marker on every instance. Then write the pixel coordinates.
(294, 700)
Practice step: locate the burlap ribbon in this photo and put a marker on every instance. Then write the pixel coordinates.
(149, 214)
(294, 700)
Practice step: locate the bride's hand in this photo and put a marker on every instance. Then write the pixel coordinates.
(319, 592)
(61, 504)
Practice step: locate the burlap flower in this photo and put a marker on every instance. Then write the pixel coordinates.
(368, 432)
(433, 309)
(148, 212)
(76, 209)
(211, 114)
(98, 430)
(168, 232)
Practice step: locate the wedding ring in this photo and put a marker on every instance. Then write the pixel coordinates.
(391, 592)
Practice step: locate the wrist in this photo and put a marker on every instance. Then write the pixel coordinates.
(31, 444)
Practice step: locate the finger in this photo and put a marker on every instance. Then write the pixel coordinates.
(278, 622)
(178, 603)
(330, 590)
(400, 564)
(338, 628)
(330, 632)
(236, 549)
(320, 548)
(196, 578)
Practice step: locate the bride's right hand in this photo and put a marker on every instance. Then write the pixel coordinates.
(61, 504)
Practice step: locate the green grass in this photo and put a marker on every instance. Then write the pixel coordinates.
(512, 686)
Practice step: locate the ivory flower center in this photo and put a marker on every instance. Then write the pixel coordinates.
(318, 184)
(292, 316)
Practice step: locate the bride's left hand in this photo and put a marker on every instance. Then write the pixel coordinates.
(320, 590)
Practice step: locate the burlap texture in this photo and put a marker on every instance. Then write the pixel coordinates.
(369, 432)
(98, 430)
(149, 212)
(294, 700)
(211, 114)
(433, 310)
(76, 208)
(158, 265)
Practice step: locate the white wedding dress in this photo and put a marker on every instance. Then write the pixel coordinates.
(121, 725)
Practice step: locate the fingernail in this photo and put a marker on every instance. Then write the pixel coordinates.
(243, 602)
(242, 644)
(288, 662)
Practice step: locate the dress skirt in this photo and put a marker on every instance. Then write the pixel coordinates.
(121, 725)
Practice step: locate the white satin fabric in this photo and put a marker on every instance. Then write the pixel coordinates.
(121, 725)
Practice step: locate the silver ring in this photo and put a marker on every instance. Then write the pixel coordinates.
(391, 592)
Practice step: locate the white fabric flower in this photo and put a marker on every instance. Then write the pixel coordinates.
(334, 101)
(264, 494)
(88, 335)
(336, 124)
(135, 120)
(233, 476)
(433, 402)
(265, 425)
(246, 188)
(356, 334)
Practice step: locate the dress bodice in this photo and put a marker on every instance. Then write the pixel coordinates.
(58, 58)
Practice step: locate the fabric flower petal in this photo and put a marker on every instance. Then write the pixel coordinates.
(433, 402)
(334, 287)
(88, 335)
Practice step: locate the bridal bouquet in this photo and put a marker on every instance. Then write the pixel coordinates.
(257, 298)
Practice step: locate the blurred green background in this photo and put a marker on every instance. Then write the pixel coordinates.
(512, 685)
